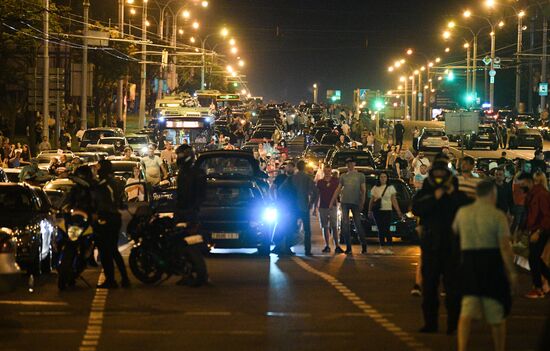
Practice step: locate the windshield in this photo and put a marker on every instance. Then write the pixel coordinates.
(110, 142)
(97, 134)
(16, 200)
(528, 131)
(261, 135)
(434, 133)
(227, 166)
(485, 130)
(361, 160)
(317, 152)
(137, 140)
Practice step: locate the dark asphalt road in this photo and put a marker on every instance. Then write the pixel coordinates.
(324, 302)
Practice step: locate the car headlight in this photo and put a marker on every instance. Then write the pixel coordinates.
(311, 164)
(74, 232)
(270, 215)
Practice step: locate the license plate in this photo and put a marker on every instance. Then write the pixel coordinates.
(374, 228)
(193, 239)
(230, 236)
(529, 138)
(393, 228)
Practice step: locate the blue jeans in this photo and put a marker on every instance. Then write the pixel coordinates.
(356, 220)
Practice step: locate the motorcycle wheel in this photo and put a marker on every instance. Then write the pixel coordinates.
(65, 269)
(144, 266)
(197, 274)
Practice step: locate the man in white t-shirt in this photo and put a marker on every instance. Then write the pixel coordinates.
(420, 160)
(420, 177)
(154, 169)
(168, 153)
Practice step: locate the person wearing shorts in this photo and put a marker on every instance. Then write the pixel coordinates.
(328, 216)
(487, 268)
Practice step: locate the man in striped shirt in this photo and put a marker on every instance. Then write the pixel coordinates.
(467, 180)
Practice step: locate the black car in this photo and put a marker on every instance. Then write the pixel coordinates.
(526, 137)
(332, 139)
(235, 214)
(317, 134)
(486, 136)
(25, 215)
(92, 136)
(313, 154)
(363, 159)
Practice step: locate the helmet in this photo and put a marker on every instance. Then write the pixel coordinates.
(185, 156)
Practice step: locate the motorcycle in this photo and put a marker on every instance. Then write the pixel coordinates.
(163, 247)
(74, 245)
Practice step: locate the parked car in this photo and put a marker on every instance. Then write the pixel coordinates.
(313, 154)
(363, 160)
(432, 139)
(29, 220)
(526, 137)
(92, 135)
(119, 143)
(259, 135)
(139, 143)
(485, 137)
(9, 269)
(57, 191)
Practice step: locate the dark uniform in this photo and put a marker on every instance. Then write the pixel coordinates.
(109, 195)
(440, 248)
(190, 193)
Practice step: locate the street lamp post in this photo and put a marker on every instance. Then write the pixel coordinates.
(413, 98)
(544, 52)
(315, 93)
(518, 66)
(46, 73)
(143, 80)
(84, 81)
(120, 87)
(468, 87)
(492, 80)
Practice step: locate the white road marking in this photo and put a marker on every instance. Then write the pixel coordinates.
(208, 313)
(91, 337)
(366, 308)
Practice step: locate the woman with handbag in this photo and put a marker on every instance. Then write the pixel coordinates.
(381, 204)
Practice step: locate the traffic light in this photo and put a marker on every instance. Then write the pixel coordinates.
(469, 98)
(378, 104)
(450, 76)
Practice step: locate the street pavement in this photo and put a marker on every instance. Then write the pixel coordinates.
(324, 302)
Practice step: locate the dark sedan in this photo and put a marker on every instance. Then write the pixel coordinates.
(313, 154)
(24, 215)
(486, 136)
(526, 137)
(236, 215)
(363, 159)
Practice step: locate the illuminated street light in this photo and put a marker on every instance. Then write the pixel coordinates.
(147, 23)
(490, 3)
(390, 69)
(241, 63)
(132, 11)
(180, 31)
(196, 25)
(400, 87)
(229, 69)
(402, 61)
(224, 32)
(430, 64)
(233, 74)
(232, 42)
(186, 14)
(243, 92)
(467, 13)
(402, 79)
(409, 52)
(416, 72)
(501, 24)
(466, 45)
(521, 13)
(446, 34)
(447, 49)
(234, 50)
(192, 40)
(423, 68)
(437, 59)
(397, 64)
(204, 4)
(451, 24)
(130, 1)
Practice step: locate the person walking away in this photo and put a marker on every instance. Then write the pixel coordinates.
(505, 199)
(538, 225)
(399, 130)
(285, 194)
(416, 135)
(487, 265)
(353, 189)
(467, 180)
(44, 145)
(328, 216)
(436, 205)
(153, 165)
(381, 203)
(109, 194)
(306, 192)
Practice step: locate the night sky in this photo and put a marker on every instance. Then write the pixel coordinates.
(326, 41)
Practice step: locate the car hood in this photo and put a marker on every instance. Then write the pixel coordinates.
(18, 220)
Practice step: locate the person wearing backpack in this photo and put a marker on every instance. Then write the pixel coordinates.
(381, 204)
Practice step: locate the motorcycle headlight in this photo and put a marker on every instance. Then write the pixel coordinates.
(270, 215)
(74, 232)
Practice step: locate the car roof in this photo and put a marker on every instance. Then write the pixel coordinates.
(431, 129)
(113, 138)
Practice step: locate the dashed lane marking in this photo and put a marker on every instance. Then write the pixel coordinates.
(90, 341)
(32, 303)
(367, 309)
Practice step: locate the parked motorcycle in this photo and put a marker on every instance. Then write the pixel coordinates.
(74, 245)
(163, 248)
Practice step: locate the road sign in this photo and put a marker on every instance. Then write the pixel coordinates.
(492, 80)
(492, 73)
(486, 60)
(543, 89)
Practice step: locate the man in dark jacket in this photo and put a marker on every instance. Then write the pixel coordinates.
(436, 204)
(109, 193)
(191, 181)
(399, 131)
